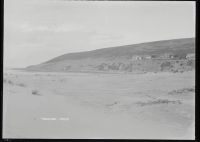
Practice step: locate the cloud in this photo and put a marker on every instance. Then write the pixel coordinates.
(105, 38)
(51, 28)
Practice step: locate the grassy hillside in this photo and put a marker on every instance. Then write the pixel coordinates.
(120, 58)
(177, 46)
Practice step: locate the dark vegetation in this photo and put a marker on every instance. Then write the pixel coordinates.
(36, 92)
(13, 83)
(159, 101)
(182, 91)
(166, 65)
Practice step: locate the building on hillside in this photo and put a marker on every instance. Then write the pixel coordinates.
(147, 57)
(66, 68)
(190, 56)
(166, 56)
(171, 56)
(136, 57)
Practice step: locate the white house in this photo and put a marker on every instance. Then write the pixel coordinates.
(171, 56)
(136, 58)
(147, 57)
(166, 56)
(190, 56)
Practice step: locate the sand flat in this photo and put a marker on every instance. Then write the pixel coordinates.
(87, 105)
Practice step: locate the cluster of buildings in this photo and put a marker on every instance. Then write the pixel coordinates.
(136, 57)
(163, 56)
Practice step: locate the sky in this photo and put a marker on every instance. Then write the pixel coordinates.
(38, 30)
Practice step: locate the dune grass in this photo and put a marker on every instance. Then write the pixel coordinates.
(36, 92)
(158, 101)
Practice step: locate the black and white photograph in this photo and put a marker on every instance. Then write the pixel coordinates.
(77, 69)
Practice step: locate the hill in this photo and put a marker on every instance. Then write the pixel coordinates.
(128, 58)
